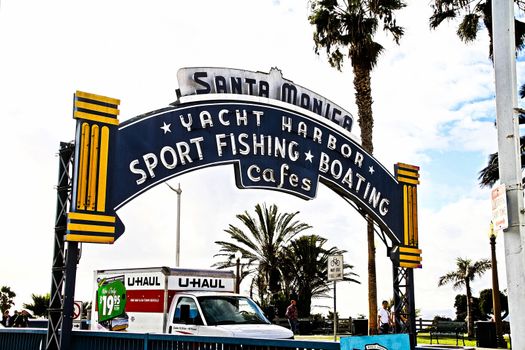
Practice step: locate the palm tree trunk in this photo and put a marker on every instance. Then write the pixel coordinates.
(363, 97)
(470, 320)
(372, 286)
(363, 94)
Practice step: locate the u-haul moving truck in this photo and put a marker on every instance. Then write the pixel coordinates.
(177, 301)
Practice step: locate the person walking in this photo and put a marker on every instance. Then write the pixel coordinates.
(293, 316)
(384, 319)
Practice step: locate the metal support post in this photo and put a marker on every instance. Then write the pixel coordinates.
(58, 268)
(404, 303)
(69, 294)
(495, 295)
(510, 162)
(177, 238)
(335, 312)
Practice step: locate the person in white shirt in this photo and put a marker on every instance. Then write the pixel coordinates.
(383, 319)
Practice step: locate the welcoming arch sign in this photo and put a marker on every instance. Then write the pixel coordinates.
(276, 134)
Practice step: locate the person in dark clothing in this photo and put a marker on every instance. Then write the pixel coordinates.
(12, 319)
(5, 319)
(22, 319)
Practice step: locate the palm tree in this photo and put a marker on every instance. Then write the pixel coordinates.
(462, 277)
(349, 27)
(474, 13)
(306, 269)
(39, 305)
(262, 244)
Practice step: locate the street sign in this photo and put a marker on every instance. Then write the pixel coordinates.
(499, 207)
(111, 300)
(77, 310)
(335, 268)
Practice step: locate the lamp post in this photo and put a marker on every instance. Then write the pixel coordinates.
(495, 289)
(238, 256)
(177, 238)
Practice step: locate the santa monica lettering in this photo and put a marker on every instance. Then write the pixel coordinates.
(197, 81)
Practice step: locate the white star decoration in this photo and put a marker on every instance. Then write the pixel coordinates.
(166, 127)
(371, 169)
(309, 156)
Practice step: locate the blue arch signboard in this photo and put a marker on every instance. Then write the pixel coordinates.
(270, 146)
(277, 135)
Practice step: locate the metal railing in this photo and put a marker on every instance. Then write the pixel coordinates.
(34, 339)
(22, 338)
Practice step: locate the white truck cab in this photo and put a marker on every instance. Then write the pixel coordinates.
(177, 301)
(221, 315)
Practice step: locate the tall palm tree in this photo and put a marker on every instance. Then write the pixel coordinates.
(461, 278)
(262, 243)
(306, 267)
(349, 27)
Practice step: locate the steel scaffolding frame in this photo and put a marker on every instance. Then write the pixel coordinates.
(63, 271)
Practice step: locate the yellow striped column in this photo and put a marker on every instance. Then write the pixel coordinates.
(408, 177)
(90, 219)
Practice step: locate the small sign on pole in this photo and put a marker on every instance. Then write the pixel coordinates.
(335, 273)
(499, 207)
(335, 268)
(77, 310)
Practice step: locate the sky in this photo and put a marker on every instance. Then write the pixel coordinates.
(433, 107)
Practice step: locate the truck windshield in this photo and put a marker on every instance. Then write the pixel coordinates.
(219, 310)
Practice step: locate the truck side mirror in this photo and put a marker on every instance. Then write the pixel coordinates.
(185, 313)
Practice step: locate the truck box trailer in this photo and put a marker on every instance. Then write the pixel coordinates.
(177, 301)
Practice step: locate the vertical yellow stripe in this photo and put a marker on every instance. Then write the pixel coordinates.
(414, 219)
(93, 167)
(410, 212)
(83, 165)
(405, 214)
(102, 178)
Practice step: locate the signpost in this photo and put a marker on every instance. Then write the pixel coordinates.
(335, 273)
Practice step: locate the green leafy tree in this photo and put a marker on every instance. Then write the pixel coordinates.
(7, 297)
(262, 242)
(349, 28)
(39, 305)
(485, 303)
(462, 277)
(460, 303)
(306, 267)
